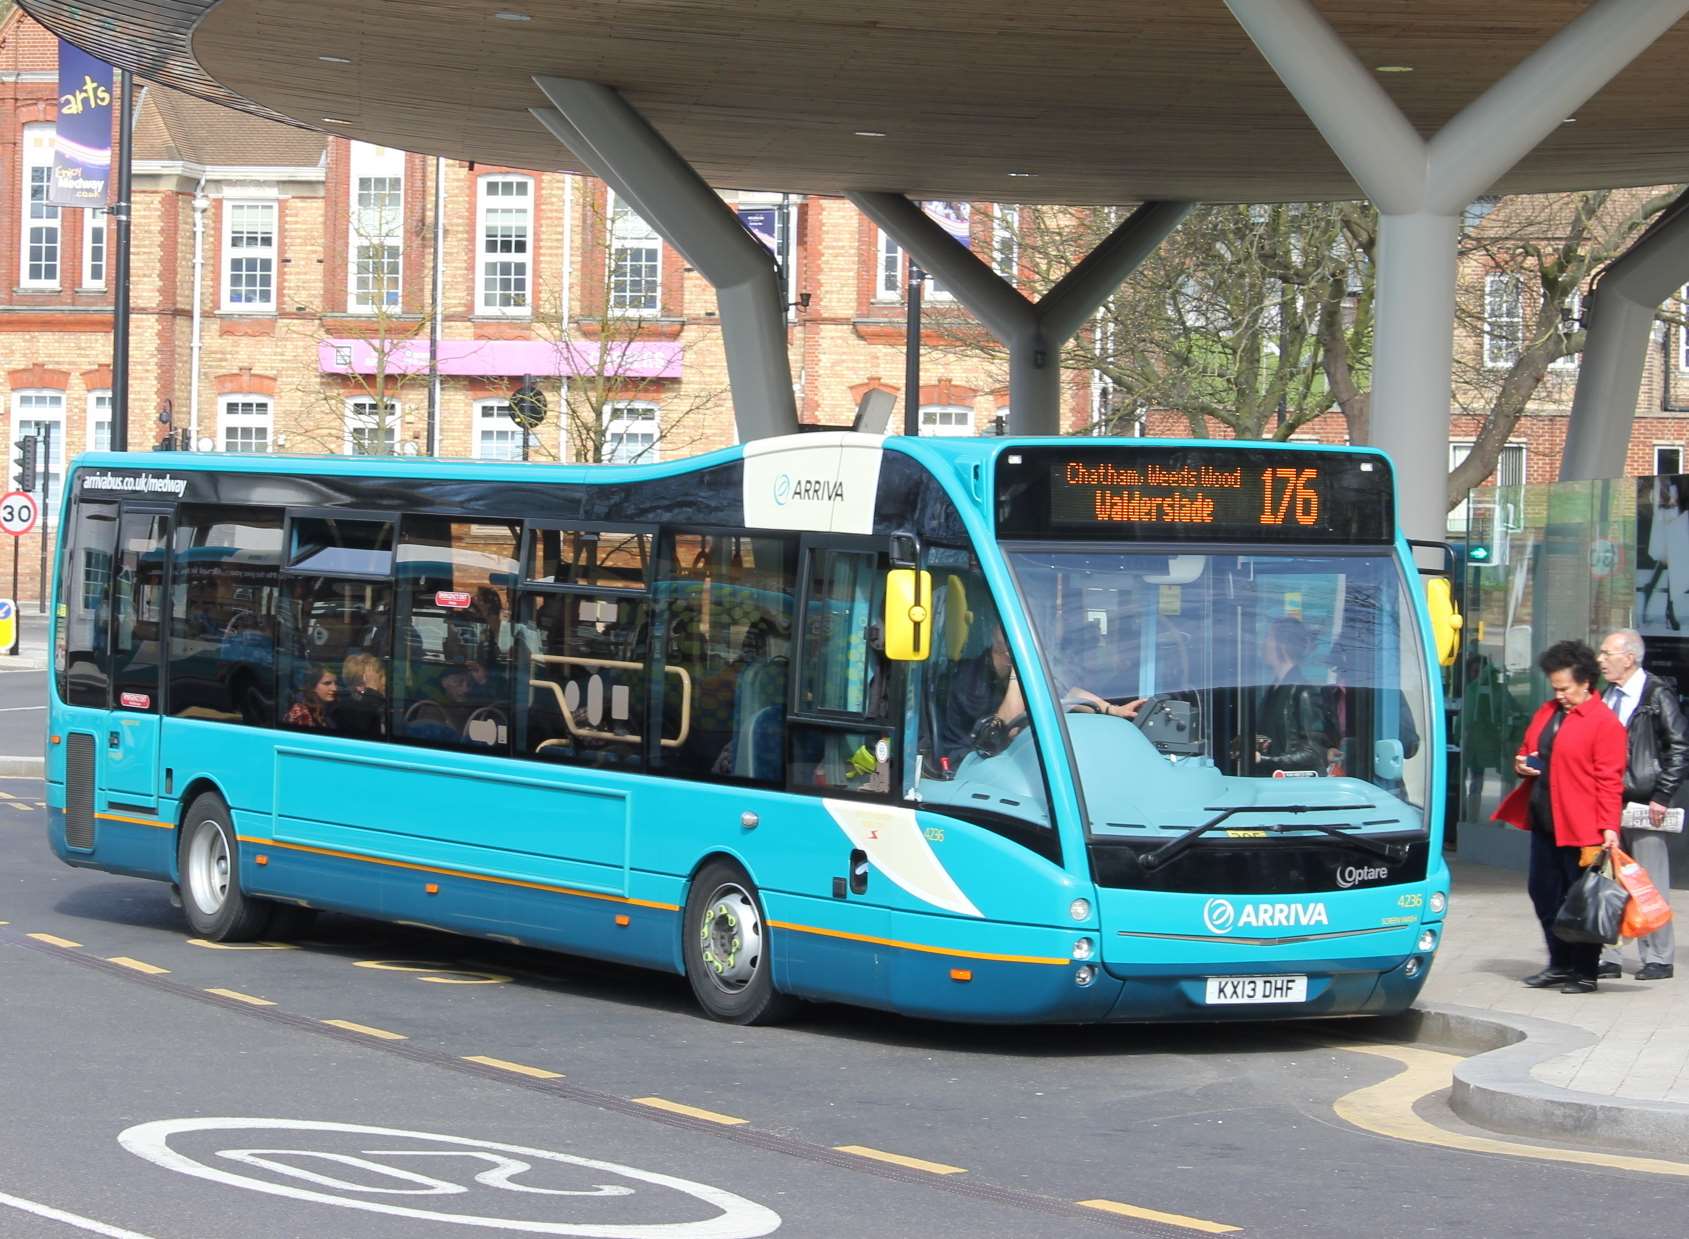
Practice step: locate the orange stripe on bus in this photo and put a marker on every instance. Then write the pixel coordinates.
(136, 821)
(459, 873)
(917, 946)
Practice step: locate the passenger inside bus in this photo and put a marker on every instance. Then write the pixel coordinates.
(361, 709)
(1294, 726)
(314, 706)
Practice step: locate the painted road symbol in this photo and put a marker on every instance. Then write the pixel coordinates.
(497, 1186)
(18, 513)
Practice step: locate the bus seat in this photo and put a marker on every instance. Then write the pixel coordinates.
(761, 685)
(762, 755)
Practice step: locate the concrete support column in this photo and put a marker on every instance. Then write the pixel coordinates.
(1033, 333)
(622, 149)
(1620, 313)
(1420, 188)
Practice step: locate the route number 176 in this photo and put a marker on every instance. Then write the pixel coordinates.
(1289, 493)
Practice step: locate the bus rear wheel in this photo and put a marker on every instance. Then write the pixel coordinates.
(728, 960)
(208, 861)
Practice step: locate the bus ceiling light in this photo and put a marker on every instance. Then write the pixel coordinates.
(1080, 909)
(1084, 975)
(1083, 948)
(1411, 968)
(1428, 940)
(1439, 903)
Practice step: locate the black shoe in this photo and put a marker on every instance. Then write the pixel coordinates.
(1548, 978)
(1609, 970)
(1579, 985)
(1654, 972)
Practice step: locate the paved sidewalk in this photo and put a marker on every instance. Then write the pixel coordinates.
(1640, 1050)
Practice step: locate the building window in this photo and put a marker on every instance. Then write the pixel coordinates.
(377, 223)
(372, 427)
(1005, 242)
(504, 223)
(41, 219)
(35, 414)
(636, 261)
(1668, 458)
(888, 267)
(99, 421)
(245, 424)
(1571, 321)
(631, 431)
(497, 437)
(947, 419)
(1509, 471)
(249, 256)
(955, 218)
(1504, 318)
(94, 249)
(1683, 333)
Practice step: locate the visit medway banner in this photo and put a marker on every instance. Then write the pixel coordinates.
(82, 143)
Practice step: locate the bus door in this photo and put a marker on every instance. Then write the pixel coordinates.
(129, 756)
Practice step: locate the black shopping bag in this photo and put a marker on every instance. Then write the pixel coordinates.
(1594, 907)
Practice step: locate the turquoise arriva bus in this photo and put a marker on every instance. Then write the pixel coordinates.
(981, 729)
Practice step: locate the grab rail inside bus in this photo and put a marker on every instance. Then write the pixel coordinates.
(592, 733)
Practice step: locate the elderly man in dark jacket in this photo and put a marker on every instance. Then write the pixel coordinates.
(1659, 759)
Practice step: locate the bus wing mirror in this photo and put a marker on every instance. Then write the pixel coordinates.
(1445, 619)
(908, 621)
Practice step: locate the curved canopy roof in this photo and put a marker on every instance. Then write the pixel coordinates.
(1085, 101)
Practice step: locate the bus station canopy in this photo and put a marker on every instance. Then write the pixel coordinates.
(990, 100)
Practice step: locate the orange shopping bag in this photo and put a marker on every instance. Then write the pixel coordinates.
(1647, 909)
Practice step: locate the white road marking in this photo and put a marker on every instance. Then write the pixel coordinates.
(69, 1219)
(15, 709)
(738, 1218)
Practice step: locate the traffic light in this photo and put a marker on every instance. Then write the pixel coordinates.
(26, 463)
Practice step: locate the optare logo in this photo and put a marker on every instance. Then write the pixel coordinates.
(782, 489)
(1219, 915)
(1353, 875)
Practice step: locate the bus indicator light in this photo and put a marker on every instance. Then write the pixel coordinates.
(961, 974)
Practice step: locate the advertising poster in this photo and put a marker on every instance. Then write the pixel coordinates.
(1662, 555)
(82, 143)
(760, 223)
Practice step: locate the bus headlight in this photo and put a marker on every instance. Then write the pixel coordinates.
(1080, 909)
(1411, 968)
(1428, 941)
(1084, 975)
(1439, 903)
(1082, 948)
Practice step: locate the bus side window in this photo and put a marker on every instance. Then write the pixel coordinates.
(137, 641)
(85, 594)
(584, 655)
(226, 576)
(326, 620)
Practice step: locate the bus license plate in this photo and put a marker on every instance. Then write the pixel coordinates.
(1223, 990)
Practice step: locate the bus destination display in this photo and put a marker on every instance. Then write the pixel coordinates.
(1189, 493)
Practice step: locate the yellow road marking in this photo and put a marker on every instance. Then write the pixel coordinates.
(1387, 1109)
(367, 1031)
(241, 946)
(1156, 1215)
(675, 1107)
(22, 807)
(124, 961)
(438, 974)
(538, 1073)
(240, 997)
(5, 922)
(897, 1159)
(53, 940)
(7, 796)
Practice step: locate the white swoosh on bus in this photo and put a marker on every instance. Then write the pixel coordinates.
(897, 848)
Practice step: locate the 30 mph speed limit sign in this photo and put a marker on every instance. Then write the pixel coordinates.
(18, 513)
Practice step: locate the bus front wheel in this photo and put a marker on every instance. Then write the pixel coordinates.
(209, 864)
(728, 960)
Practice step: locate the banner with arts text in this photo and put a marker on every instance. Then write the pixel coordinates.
(82, 141)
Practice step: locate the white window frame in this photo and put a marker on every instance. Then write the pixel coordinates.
(1459, 450)
(99, 412)
(618, 422)
(492, 419)
(381, 225)
(94, 224)
(890, 269)
(629, 233)
(37, 215)
(1571, 313)
(1500, 351)
(1668, 447)
(255, 253)
(1683, 332)
(1005, 242)
(27, 403)
(945, 421)
(241, 411)
(935, 289)
(362, 415)
(520, 302)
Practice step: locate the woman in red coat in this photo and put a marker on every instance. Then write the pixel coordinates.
(1571, 768)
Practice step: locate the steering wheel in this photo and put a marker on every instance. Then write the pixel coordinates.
(991, 735)
(240, 621)
(480, 715)
(1080, 706)
(426, 712)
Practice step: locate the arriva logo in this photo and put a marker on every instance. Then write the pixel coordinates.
(1222, 916)
(808, 490)
(782, 489)
(1354, 875)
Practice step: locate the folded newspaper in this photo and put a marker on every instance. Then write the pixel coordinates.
(1637, 817)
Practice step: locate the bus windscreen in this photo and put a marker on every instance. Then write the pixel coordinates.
(1183, 493)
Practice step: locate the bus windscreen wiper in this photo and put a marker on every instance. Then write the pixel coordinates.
(1173, 847)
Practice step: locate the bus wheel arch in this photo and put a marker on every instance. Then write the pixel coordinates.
(208, 870)
(726, 946)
